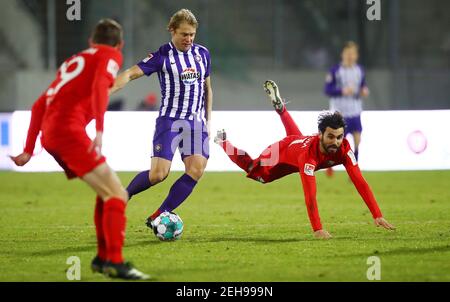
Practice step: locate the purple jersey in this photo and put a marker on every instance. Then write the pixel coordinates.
(181, 76)
(340, 77)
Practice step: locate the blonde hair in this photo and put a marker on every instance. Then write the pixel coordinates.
(350, 44)
(183, 15)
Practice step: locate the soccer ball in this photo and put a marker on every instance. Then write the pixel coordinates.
(168, 226)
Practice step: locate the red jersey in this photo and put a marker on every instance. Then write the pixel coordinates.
(78, 94)
(302, 154)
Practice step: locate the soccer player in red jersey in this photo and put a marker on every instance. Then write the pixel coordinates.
(78, 95)
(305, 154)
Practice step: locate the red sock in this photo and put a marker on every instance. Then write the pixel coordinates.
(98, 219)
(289, 124)
(156, 214)
(114, 222)
(239, 157)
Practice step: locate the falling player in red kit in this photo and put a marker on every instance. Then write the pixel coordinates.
(305, 154)
(78, 95)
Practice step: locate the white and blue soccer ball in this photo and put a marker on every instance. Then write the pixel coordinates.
(168, 226)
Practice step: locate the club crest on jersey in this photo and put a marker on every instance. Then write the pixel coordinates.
(352, 157)
(198, 58)
(189, 76)
(148, 58)
(309, 169)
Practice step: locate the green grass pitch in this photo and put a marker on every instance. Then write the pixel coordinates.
(235, 229)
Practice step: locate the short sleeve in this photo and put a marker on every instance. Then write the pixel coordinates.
(109, 64)
(152, 63)
(332, 88)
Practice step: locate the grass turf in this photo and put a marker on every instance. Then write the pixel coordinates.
(235, 229)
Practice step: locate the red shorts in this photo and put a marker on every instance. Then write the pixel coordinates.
(267, 174)
(70, 150)
(266, 170)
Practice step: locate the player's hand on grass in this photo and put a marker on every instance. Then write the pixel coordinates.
(21, 159)
(347, 91)
(97, 144)
(322, 234)
(380, 221)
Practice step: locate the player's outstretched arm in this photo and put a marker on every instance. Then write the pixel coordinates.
(37, 114)
(125, 77)
(309, 190)
(366, 193)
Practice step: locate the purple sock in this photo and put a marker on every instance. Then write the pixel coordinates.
(356, 154)
(140, 182)
(178, 193)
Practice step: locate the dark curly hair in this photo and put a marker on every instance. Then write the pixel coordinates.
(334, 120)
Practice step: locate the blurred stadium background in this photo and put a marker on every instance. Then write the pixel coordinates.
(407, 53)
(235, 229)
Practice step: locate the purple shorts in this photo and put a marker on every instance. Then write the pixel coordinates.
(353, 124)
(190, 137)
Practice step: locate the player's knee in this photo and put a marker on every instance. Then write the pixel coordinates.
(119, 193)
(158, 176)
(123, 194)
(196, 172)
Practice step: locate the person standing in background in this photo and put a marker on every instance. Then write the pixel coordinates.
(345, 84)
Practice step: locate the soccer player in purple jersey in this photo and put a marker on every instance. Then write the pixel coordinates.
(183, 70)
(346, 86)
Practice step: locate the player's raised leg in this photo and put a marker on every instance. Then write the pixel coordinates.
(273, 93)
(256, 169)
(239, 157)
(161, 159)
(110, 224)
(195, 166)
(139, 183)
(193, 143)
(160, 168)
